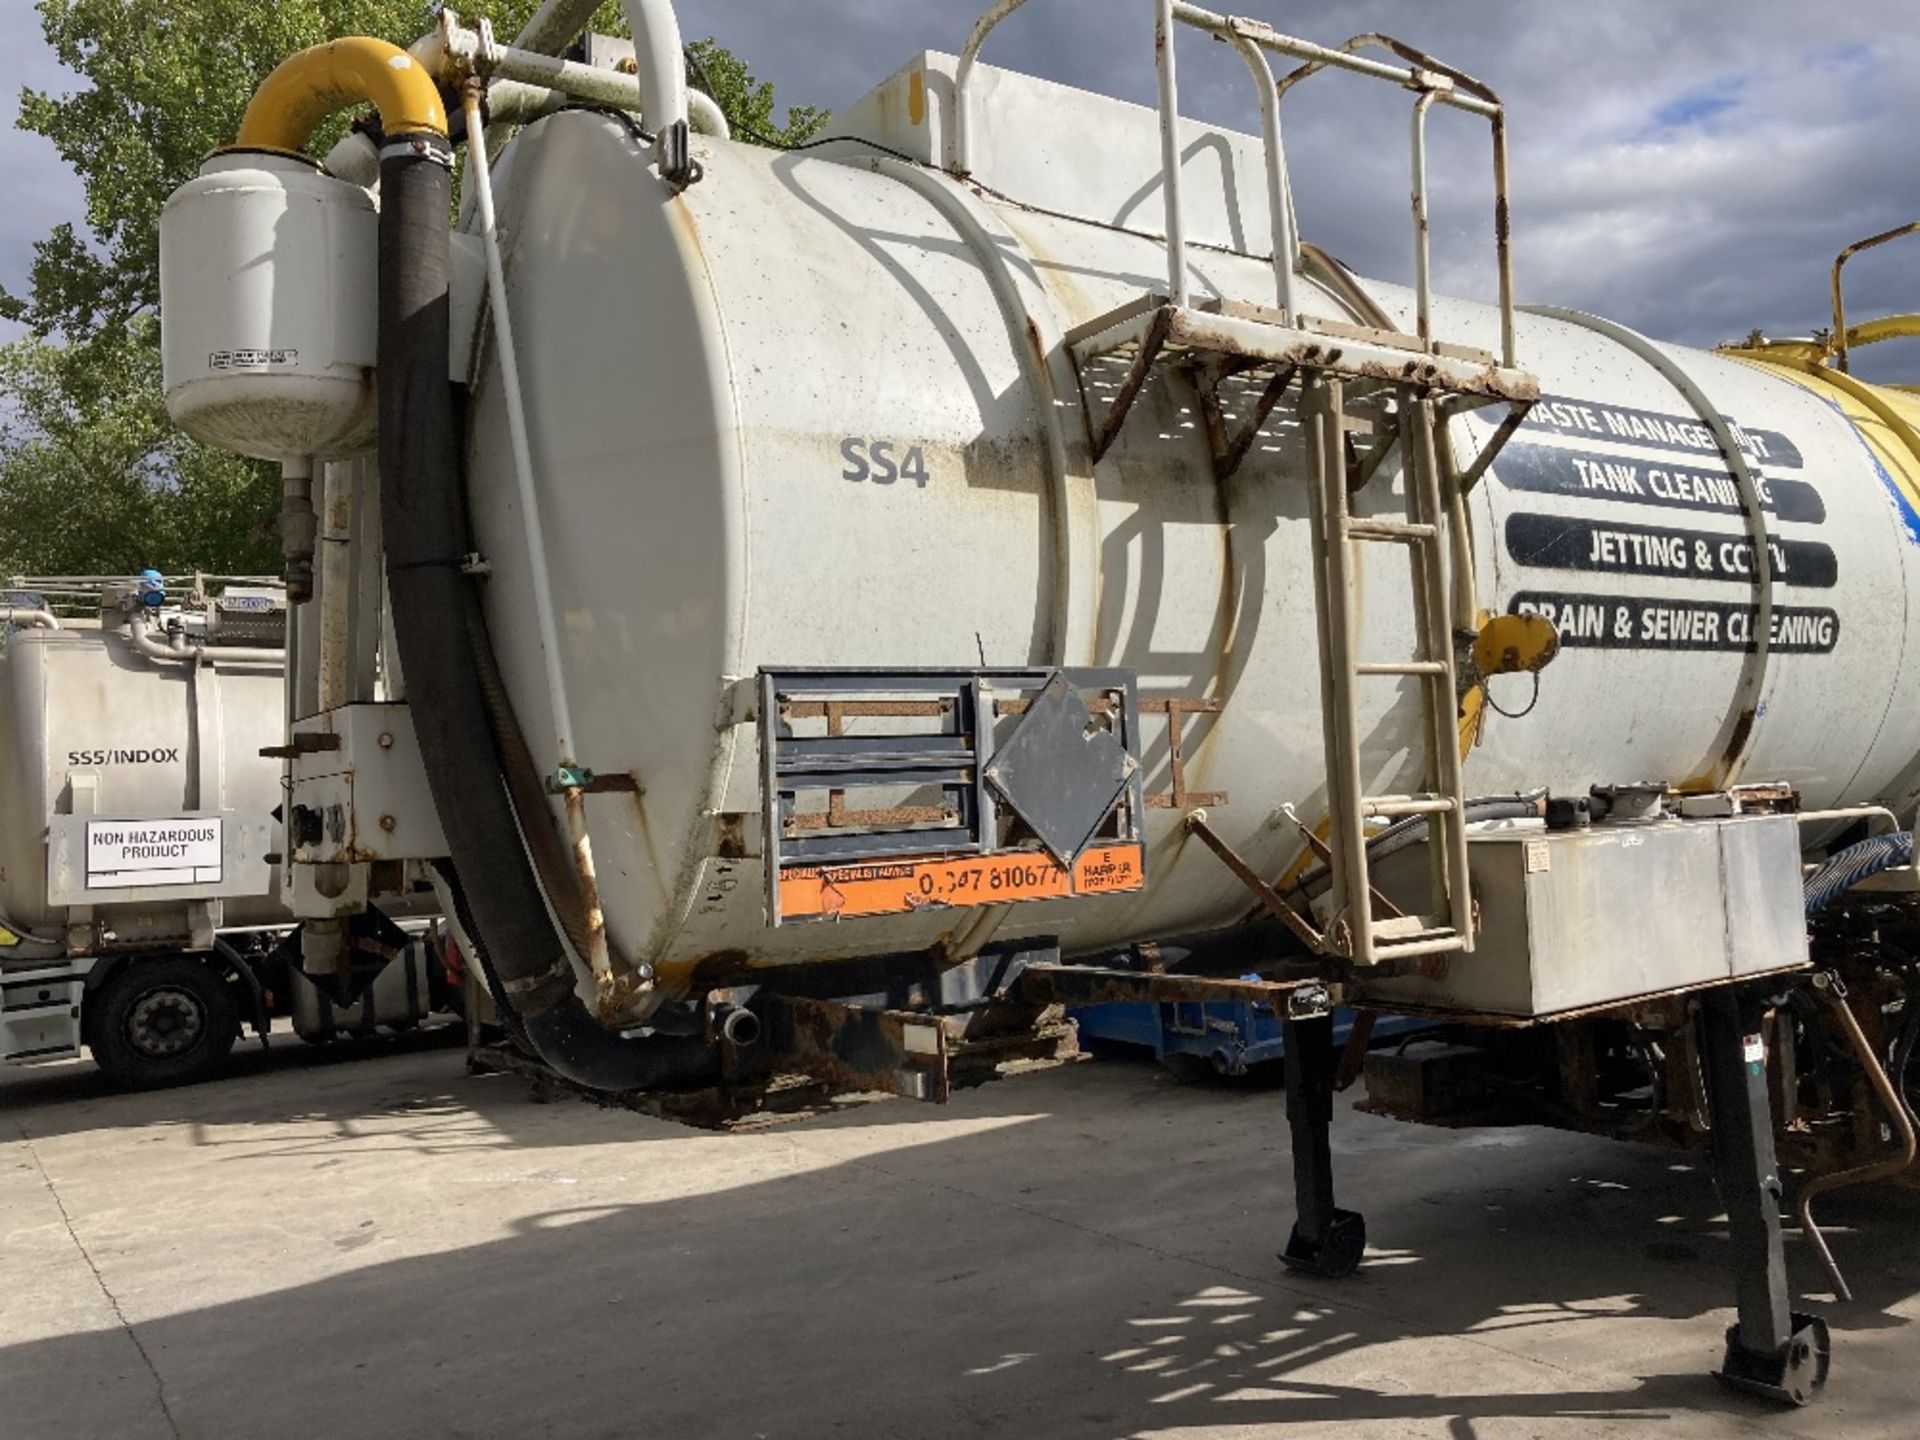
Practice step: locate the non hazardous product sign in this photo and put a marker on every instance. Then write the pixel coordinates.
(136, 854)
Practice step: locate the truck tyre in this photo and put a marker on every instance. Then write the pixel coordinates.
(162, 1022)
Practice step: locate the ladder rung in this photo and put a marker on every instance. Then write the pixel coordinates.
(1407, 949)
(1411, 927)
(1390, 805)
(1400, 530)
(1403, 667)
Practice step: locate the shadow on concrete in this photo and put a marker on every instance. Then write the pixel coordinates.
(73, 1097)
(1095, 1259)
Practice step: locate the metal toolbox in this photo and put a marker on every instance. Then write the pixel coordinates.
(1579, 918)
(40, 1011)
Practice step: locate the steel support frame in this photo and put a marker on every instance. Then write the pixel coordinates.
(1076, 985)
(1517, 411)
(1325, 1240)
(1771, 1349)
(1275, 904)
(1231, 446)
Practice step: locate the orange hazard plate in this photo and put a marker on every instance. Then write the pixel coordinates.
(893, 887)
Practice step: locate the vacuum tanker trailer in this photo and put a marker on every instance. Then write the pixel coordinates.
(140, 912)
(840, 604)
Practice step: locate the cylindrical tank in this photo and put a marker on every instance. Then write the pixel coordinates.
(268, 282)
(711, 375)
(91, 726)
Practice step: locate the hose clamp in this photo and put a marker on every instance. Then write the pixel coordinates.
(420, 145)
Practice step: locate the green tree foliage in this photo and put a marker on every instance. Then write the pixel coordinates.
(748, 102)
(93, 477)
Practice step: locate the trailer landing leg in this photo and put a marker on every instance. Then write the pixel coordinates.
(1326, 1240)
(1772, 1350)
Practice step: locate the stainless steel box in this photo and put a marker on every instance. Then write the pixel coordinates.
(40, 1010)
(1579, 918)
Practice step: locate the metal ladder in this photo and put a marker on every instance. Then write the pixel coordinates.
(1333, 367)
(1353, 930)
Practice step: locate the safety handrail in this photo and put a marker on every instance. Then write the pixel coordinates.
(1864, 334)
(961, 160)
(1433, 81)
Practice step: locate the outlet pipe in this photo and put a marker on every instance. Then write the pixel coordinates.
(299, 528)
(658, 83)
(660, 86)
(548, 31)
(513, 101)
(144, 631)
(551, 28)
(334, 669)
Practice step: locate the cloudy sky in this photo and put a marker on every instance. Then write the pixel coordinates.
(1688, 168)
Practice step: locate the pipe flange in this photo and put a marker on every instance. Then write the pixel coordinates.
(487, 53)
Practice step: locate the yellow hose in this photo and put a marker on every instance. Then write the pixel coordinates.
(308, 87)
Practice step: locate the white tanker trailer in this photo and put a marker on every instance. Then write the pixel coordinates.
(140, 912)
(850, 599)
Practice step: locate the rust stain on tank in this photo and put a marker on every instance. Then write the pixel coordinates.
(1056, 277)
(680, 220)
(648, 847)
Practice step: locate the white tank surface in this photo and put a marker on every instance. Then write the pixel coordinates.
(816, 410)
(268, 282)
(134, 784)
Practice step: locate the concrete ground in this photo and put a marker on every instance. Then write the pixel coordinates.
(394, 1248)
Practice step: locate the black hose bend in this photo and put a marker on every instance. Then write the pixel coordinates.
(436, 614)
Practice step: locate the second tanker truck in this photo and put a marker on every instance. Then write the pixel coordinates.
(140, 910)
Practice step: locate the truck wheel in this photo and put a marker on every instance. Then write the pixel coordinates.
(163, 1022)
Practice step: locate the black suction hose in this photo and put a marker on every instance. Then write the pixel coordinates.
(435, 615)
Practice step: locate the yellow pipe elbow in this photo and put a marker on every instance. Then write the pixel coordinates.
(308, 87)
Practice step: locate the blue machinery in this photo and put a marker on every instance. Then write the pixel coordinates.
(1230, 1035)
